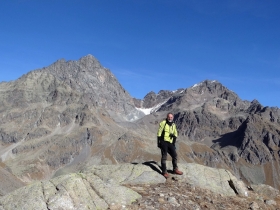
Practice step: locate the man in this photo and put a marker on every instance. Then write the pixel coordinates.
(167, 135)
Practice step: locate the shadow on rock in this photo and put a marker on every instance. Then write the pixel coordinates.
(231, 139)
(153, 165)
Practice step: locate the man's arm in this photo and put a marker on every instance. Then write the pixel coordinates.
(159, 141)
(175, 131)
(160, 129)
(159, 138)
(175, 135)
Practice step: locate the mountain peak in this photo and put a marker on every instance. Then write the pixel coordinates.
(87, 62)
(206, 83)
(89, 58)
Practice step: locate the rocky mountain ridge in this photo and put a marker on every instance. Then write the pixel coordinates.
(152, 99)
(241, 135)
(53, 115)
(74, 114)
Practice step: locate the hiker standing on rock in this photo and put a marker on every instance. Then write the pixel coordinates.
(167, 135)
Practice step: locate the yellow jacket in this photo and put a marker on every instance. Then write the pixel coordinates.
(164, 127)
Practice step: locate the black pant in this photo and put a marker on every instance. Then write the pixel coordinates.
(167, 147)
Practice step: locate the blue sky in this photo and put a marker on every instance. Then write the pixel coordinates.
(150, 45)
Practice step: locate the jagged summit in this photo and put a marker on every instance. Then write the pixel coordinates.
(205, 82)
(205, 92)
(70, 69)
(84, 81)
(86, 59)
(212, 87)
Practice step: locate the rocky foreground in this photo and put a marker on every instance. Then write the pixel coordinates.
(177, 195)
(141, 186)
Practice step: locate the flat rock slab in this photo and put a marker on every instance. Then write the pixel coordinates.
(127, 174)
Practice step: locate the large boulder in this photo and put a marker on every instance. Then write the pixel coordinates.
(265, 190)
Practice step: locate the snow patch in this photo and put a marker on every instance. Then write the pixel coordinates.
(195, 85)
(145, 111)
(150, 110)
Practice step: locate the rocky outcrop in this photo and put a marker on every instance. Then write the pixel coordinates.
(103, 186)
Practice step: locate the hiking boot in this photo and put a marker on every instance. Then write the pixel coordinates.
(176, 171)
(165, 175)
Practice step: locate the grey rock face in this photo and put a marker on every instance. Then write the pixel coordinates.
(7, 138)
(152, 99)
(209, 92)
(95, 85)
(70, 82)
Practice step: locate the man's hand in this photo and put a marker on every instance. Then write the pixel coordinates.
(171, 135)
(159, 142)
(174, 141)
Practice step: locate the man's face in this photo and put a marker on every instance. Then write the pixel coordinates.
(170, 117)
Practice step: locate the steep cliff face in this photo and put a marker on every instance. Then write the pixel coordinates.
(257, 142)
(96, 84)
